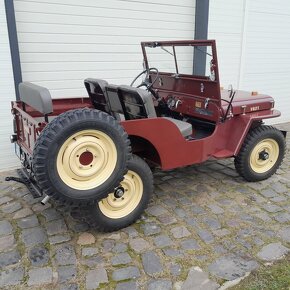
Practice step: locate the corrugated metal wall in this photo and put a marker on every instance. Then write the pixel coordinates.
(253, 40)
(62, 42)
(7, 93)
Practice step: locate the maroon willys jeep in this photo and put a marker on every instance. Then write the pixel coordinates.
(93, 153)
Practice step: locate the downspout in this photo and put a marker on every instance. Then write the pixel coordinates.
(13, 41)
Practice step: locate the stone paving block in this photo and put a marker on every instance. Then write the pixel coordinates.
(5, 228)
(151, 263)
(231, 267)
(51, 214)
(28, 222)
(150, 229)
(198, 280)
(6, 242)
(278, 187)
(175, 269)
(66, 273)
(196, 210)
(272, 252)
(139, 245)
(38, 207)
(23, 213)
(121, 259)
(189, 244)
(126, 273)
(206, 236)
(120, 248)
(181, 213)
(167, 219)
(9, 258)
(108, 245)
(272, 208)
(279, 198)
(212, 223)
(39, 276)
(86, 239)
(38, 256)
(93, 262)
(172, 253)
(163, 241)
(65, 255)
(11, 207)
(284, 233)
(33, 236)
(132, 233)
(283, 217)
(160, 284)
(221, 232)
(58, 239)
(56, 227)
(95, 277)
(268, 193)
(132, 285)
(180, 232)
(215, 208)
(5, 199)
(89, 252)
(11, 277)
(156, 210)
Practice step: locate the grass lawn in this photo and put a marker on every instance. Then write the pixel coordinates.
(274, 277)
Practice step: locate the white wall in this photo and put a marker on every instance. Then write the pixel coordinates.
(253, 40)
(7, 94)
(62, 42)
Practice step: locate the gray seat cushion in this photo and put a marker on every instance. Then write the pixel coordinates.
(36, 97)
(145, 96)
(184, 127)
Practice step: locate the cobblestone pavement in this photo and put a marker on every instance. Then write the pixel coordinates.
(204, 226)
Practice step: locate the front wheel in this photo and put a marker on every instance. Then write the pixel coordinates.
(126, 203)
(261, 154)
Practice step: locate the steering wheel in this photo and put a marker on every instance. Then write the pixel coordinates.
(146, 82)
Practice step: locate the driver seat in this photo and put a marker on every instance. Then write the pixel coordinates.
(138, 104)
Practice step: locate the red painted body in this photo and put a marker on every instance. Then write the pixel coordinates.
(171, 149)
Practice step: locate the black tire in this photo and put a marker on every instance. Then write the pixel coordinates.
(254, 162)
(54, 143)
(94, 215)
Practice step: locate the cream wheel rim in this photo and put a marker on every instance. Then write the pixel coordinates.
(125, 198)
(86, 159)
(264, 155)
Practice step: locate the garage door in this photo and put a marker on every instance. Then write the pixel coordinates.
(253, 47)
(266, 57)
(62, 42)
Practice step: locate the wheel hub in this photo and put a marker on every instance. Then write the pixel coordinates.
(86, 158)
(263, 155)
(119, 192)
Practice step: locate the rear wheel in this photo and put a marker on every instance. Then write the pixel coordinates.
(126, 203)
(81, 156)
(261, 154)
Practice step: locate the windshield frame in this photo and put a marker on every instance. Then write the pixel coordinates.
(173, 44)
